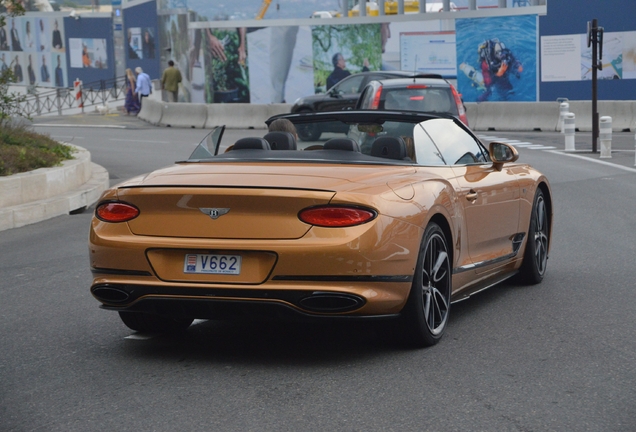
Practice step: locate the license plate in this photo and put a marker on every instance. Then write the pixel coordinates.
(212, 264)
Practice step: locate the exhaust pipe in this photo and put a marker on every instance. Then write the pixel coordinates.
(327, 302)
(110, 294)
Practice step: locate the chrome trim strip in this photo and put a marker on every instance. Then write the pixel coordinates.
(397, 278)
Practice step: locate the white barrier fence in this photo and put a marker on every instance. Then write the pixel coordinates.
(497, 116)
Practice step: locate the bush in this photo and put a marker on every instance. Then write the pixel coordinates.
(23, 150)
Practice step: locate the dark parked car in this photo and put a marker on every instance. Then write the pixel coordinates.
(434, 95)
(342, 96)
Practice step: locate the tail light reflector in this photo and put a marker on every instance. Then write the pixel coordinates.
(460, 106)
(375, 104)
(116, 211)
(336, 216)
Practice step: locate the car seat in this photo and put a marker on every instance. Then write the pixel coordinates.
(389, 147)
(280, 140)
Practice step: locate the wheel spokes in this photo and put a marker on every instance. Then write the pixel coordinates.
(435, 285)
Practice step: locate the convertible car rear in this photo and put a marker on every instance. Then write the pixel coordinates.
(397, 217)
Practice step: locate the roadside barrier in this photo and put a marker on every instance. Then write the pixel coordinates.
(569, 130)
(151, 111)
(184, 115)
(564, 108)
(484, 116)
(605, 134)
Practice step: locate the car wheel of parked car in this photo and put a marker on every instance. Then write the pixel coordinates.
(144, 322)
(426, 312)
(535, 258)
(308, 132)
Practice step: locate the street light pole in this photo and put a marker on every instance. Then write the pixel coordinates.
(595, 39)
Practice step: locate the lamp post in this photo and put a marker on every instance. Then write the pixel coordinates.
(595, 39)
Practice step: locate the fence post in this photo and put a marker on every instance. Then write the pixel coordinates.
(569, 130)
(605, 134)
(59, 102)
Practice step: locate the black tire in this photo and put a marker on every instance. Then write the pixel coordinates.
(150, 323)
(535, 257)
(426, 313)
(308, 132)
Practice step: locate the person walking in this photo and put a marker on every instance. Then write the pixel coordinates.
(143, 84)
(131, 105)
(170, 82)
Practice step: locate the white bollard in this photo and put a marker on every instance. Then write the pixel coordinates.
(564, 108)
(605, 133)
(569, 130)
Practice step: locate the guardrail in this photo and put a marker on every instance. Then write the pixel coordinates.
(485, 116)
(62, 99)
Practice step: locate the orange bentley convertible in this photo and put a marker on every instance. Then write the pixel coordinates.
(394, 217)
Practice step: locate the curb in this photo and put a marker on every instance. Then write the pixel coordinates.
(45, 193)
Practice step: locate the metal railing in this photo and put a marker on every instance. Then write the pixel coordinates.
(62, 99)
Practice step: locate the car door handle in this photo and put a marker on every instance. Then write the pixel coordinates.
(471, 196)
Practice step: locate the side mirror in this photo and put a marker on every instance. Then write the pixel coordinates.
(501, 153)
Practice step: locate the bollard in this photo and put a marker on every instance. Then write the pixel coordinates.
(569, 130)
(564, 108)
(605, 133)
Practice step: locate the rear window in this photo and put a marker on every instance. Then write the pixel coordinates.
(429, 99)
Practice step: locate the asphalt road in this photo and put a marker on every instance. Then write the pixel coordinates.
(559, 356)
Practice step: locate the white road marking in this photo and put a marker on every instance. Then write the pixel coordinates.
(593, 160)
(78, 125)
(142, 141)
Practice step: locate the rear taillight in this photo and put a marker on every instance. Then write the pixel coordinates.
(115, 211)
(375, 104)
(336, 216)
(460, 106)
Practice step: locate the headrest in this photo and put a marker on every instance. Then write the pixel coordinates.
(347, 144)
(251, 143)
(280, 140)
(389, 147)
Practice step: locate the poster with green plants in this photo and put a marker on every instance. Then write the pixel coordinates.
(226, 66)
(341, 50)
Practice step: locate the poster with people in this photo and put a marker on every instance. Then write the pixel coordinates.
(497, 58)
(174, 39)
(280, 64)
(88, 53)
(141, 43)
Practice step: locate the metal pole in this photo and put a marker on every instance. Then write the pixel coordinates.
(363, 8)
(472, 4)
(422, 6)
(594, 85)
(381, 11)
(400, 7)
(446, 5)
(502, 3)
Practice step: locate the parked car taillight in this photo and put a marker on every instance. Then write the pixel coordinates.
(336, 216)
(460, 106)
(116, 211)
(375, 104)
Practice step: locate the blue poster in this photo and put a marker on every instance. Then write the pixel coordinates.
(497, 58)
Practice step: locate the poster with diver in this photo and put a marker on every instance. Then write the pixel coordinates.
(496, 58)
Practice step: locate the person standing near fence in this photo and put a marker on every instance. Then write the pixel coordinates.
(170, 82)
(143, 84)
